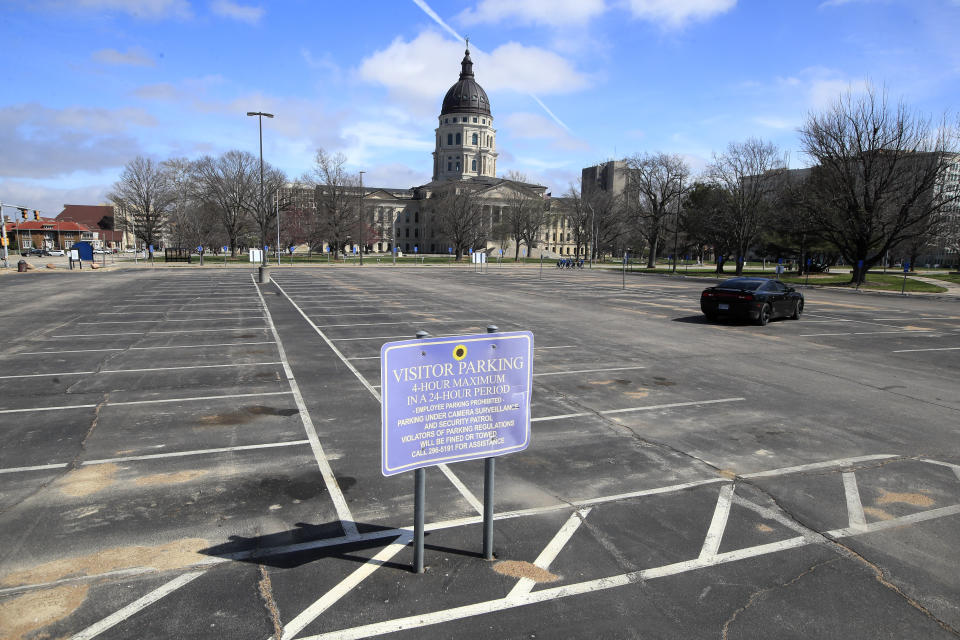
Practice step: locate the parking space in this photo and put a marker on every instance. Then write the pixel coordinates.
(200, 457)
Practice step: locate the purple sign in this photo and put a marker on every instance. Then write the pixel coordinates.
(454, 398)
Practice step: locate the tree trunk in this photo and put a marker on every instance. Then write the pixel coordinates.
(652, 258)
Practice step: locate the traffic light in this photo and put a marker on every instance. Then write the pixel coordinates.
(23, 214)
(36, 215)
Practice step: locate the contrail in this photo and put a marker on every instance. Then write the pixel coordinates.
(433, 16)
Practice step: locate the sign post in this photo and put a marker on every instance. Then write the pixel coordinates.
(451, 399)
(906, 270)
(861, 276)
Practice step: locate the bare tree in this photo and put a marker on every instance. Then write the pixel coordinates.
(144, 196)
(230, 185)
(654, 187)
(335, 192)
(578, 217)
(458, 214)
(523, 222)
(181, 175)
(748, 172)
(607, 220)
(703, 221)
(265, 214)
(879, 175)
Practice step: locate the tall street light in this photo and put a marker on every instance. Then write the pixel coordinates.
(361, 217)
(260, 116)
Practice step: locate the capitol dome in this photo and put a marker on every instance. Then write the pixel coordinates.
(466, 96)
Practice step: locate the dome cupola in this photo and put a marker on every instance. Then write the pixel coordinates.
(466, 95)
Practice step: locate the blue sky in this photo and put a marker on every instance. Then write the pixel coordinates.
(90, 84)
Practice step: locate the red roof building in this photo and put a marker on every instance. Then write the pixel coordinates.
(95, 217)
(48, 233)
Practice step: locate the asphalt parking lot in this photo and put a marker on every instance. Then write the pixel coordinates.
(189, 454)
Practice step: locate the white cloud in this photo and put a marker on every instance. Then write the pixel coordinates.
(532, 126)
(148, 9)
(134, 56)
(56, 142)
(553, 13)
(420, 71)
(674, 14)
(50, 199)
(323, 63)
(243, 13)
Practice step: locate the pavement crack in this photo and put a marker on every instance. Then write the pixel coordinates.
(265, 587)
(881, 578)
(759, 594)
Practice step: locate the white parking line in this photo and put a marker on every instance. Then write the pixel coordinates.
(563, 373)
(842, 462)
(330, 480)
(161, 401)
(175, 346)
(857, 519)
(153, 333)
(157, 456)
(653, 407)
(711, 543)
(116, 618)
(99, 322)
(191, 366)
(462, 488)
(421, 620)
(550, 552)
(332, 596)
(914, 350)
(865, 333)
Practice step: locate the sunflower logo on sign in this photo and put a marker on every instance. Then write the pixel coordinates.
(459, 352)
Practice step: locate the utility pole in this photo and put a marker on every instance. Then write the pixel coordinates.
(360, 213)
(5, 241)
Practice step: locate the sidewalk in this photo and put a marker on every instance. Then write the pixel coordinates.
(952, 289)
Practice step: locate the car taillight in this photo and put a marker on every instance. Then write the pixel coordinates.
(745, 296)
(706, 294)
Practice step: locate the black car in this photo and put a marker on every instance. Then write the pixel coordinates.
(34, 252)
(756, 299)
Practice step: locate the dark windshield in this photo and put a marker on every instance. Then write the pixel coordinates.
(745, 284)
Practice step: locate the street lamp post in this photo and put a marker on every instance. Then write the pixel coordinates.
(676, 227)
(260, 116)
(360, 212)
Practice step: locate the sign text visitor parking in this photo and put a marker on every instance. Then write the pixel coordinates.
(454, 398)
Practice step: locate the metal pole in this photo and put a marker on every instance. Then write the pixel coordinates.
(360, 214)
(676, 227)
(3, 230)
(541, 264)
(277, 204)
(488, 468)
(625, 254)
(419, 497)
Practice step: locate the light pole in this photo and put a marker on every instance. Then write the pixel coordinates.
(360, 213)
(676, 226)
(593, 235)
(260, 116)
(277, 204)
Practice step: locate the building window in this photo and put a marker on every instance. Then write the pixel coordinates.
(474, 119)
(484, 121)
(473, 165)
(458, 165)
(407, 234)
(476, 139)
(416, 216)
(458, 139)
(449, 139)
(446, 121)
(449, 166)
(416, 233)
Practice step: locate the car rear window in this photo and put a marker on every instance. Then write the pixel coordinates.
(740, 283)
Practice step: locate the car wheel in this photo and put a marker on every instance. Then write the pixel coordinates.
(764, 316)
(797, 310)
(711, 317)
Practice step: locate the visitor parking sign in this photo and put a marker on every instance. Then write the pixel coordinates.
(454, 398)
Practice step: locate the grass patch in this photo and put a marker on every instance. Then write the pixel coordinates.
(874, 281)
(949, 277)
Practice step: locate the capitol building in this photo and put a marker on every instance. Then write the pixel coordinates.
(464, 158)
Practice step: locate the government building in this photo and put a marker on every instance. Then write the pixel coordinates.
(464, 158)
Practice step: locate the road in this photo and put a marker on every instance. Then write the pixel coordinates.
(188, 454)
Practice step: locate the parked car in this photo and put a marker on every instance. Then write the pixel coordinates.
(100, 251)
(34, 252)
(56, 252)
(756, 299)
